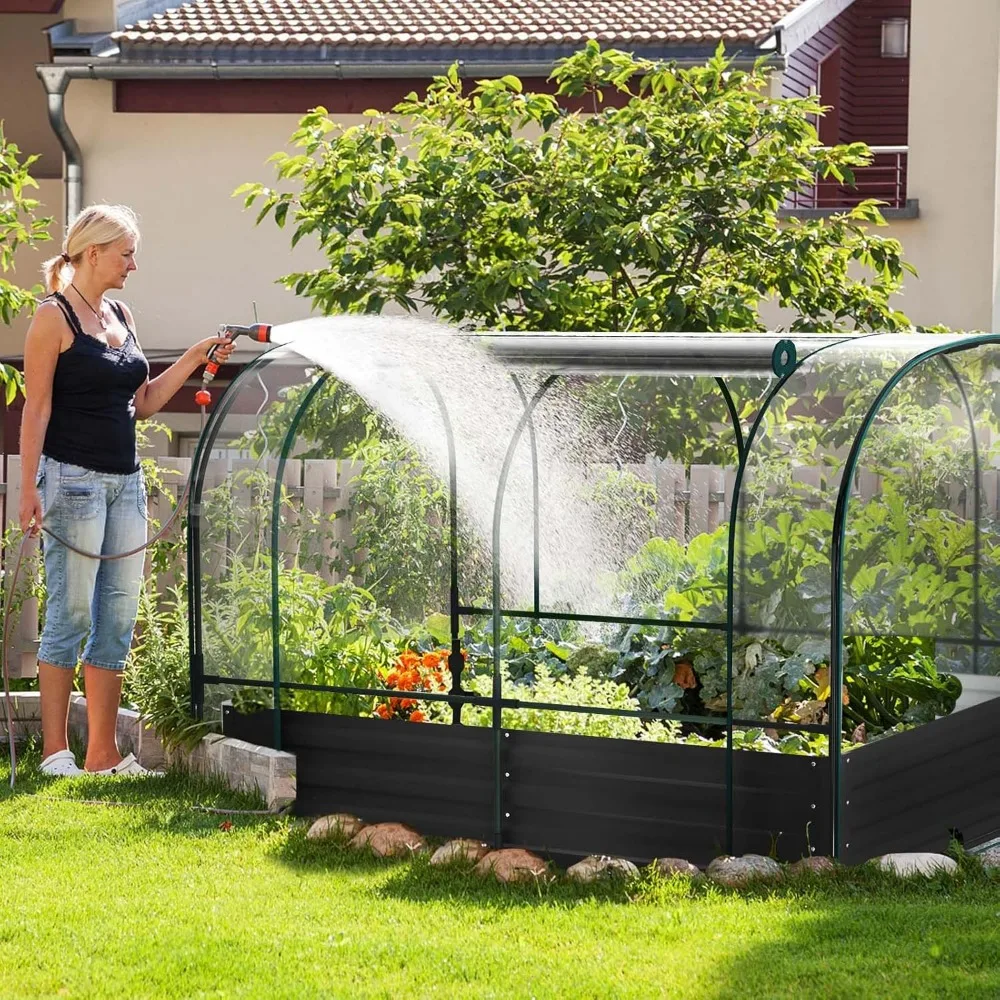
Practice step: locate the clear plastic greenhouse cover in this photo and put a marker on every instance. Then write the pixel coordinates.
(751, 546)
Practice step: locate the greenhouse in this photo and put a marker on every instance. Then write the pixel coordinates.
(634, 595)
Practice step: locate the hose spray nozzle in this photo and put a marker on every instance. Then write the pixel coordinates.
(261, 332)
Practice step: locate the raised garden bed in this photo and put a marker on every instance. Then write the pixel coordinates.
(575, 795)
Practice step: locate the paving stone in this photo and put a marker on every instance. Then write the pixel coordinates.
(389, 840)
(337, 825)
(676, 866)
(512, 864)
(917, 863)
(600, 867)
(462, 849)
(743, 870)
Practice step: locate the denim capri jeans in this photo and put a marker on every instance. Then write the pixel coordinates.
(88, 599)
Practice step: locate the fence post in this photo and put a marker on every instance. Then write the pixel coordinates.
(670, 504)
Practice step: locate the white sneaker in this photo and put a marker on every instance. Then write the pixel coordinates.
(61, 764)
(128, 766)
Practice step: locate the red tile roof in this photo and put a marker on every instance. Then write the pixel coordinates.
(458, 23)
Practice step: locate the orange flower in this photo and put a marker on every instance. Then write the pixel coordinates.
(431, 660)
(684, 675)
(417, 717)
(392, 680)
(409, 659)
(382, 711)
(407, 703)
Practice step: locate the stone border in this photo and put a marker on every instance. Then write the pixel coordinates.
(241, 765)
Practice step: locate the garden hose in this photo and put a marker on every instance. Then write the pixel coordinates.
(10, 585)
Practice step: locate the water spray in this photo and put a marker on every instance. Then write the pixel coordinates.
(261, 332)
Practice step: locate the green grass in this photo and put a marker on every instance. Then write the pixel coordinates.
(153, 899)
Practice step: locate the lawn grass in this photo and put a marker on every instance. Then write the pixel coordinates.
(154, 899)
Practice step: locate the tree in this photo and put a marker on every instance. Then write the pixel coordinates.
(499, 209)
(18, 228)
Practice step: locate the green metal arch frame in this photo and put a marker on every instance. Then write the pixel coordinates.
(205, 441)
(949, 346)
(279, 477)
(839, 537)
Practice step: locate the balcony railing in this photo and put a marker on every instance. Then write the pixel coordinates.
(884, 180)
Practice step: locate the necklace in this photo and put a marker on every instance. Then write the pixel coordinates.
(100, 317)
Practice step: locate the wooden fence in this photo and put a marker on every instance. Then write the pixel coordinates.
(689, 501)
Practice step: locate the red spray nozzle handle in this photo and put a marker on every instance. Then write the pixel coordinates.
(261, 332)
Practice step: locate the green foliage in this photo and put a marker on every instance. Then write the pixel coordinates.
(400, 525)
(565, 689)
(498, 208)
(627, 504)
(666, 577)
(331, 633)
(893, 681)
(334, 424)
(495, 208)
(18, 228)
(157, 677)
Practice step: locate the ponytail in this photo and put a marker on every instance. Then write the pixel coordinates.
(54, 273)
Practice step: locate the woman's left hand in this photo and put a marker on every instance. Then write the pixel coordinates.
(199, 352)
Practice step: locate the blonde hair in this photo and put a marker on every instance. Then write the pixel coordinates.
(96, 225)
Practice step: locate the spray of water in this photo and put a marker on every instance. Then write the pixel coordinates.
(392, 362)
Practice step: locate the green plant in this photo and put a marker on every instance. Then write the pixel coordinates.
(893, 681)
(157, 676)
(331, 634)
(18, 228)
(564, 689)
(627, 505)
(401, 548)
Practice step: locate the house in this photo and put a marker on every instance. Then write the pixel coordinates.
(168, 109)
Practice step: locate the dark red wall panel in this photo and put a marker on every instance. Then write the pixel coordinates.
(344, 97)
(875, 90)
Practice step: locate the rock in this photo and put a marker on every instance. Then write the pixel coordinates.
(512, 864)
(676, 866)
(990, 857)
(459, 850)
(600, 866)
(917, 863)
(819, 865)
(741, 871)
(339, 825)
(389, 840)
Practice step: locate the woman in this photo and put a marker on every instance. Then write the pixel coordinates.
(86, 382)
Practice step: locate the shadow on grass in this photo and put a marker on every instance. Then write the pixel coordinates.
(176, 802)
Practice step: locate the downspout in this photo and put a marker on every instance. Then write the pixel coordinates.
(56, 81)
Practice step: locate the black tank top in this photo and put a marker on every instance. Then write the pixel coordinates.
(92, 423)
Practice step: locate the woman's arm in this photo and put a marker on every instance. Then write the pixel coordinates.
(41, 352)
(155, 393)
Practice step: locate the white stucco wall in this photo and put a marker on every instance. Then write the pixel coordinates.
(953, 171)
(202, 260)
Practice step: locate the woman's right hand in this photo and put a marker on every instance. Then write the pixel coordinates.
(31, 510)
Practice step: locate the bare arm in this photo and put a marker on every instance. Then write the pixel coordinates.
(41, 352)
(155, 393)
